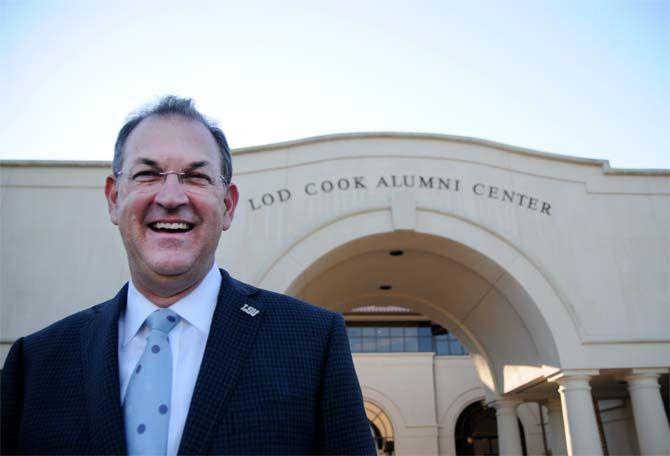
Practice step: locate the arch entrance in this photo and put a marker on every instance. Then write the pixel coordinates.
(471, 283)
(452, 274)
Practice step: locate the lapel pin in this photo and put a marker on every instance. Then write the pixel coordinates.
(247, 309)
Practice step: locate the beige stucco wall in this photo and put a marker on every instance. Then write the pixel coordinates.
(403, 386)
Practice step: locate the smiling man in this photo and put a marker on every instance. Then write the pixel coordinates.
(170, 221)
(184, 359)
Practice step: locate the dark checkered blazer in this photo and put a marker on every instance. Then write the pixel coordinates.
(279, 382)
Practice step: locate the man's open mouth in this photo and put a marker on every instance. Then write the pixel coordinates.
(171, 227)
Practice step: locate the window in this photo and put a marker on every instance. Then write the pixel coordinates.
(386, 337)
(381, 428)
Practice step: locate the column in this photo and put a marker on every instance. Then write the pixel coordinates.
(653, 432)
(557, 441)
(509, 440)
(579, 417)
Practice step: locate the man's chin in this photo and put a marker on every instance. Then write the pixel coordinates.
(170, 269)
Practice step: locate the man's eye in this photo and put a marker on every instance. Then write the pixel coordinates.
(197, 179)
(146, 176)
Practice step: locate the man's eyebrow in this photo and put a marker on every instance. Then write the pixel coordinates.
(146, 161)
(154, 164)
(195, 165)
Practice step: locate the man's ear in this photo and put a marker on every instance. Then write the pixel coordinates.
(230, 200)
(112, 194)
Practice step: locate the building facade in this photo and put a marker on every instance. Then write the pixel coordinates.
(550, 272)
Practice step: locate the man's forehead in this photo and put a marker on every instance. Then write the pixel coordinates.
(161, 139)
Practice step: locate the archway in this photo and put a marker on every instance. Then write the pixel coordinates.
(471, 281)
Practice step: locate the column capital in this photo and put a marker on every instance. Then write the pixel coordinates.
(504, 404)
(566, 374)
(648, 372)
(644, 378)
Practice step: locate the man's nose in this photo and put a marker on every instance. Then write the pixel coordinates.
(171, 193)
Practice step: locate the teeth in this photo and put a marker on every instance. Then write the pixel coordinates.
(171, 226)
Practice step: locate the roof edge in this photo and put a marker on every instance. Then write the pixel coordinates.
(603, 164)
(57, 163)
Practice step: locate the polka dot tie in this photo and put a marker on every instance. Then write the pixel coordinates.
(147, 403)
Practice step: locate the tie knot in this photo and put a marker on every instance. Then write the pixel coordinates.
(163, 320)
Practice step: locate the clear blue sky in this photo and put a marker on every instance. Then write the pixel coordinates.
(584, 78)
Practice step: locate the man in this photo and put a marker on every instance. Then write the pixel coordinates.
(184, 359)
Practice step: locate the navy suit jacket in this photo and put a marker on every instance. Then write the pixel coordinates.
(279, 382)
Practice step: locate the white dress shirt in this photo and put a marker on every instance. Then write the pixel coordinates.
(187, 340)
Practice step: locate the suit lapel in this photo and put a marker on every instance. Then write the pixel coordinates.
(101, 377)
(231, 335)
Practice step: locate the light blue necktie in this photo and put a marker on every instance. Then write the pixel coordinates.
(147, 402)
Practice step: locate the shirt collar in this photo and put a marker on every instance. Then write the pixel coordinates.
(197, 307)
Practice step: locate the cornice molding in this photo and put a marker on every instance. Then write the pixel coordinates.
(604, 165)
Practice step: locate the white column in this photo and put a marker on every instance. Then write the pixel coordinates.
(653, 432)
(509, 440)
(579, 417)
(557, 441)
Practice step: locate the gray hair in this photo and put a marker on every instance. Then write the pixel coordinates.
(167, 106)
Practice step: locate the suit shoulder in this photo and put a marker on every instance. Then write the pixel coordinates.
(70, 325)
(284, 306)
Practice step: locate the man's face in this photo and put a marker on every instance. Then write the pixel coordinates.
(168, 228)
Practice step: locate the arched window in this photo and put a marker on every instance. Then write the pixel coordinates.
(381, 428)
